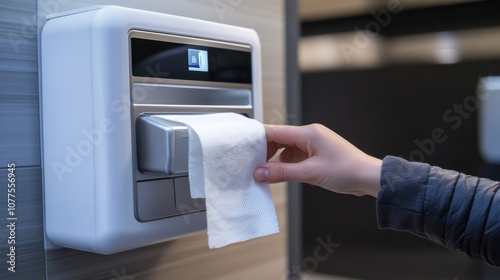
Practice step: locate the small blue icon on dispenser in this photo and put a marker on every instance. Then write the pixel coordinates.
(198, 60)
(193, 58)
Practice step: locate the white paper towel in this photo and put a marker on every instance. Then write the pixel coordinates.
(224, 150)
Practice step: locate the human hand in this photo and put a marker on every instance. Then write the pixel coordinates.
(316, 155)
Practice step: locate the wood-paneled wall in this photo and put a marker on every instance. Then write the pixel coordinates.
(184, 258)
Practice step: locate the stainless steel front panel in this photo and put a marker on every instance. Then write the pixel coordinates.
(149, 96)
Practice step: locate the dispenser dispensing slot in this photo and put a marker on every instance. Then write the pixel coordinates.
(162, 146)
(162, 149)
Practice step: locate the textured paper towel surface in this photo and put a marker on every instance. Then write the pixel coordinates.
(224, 150)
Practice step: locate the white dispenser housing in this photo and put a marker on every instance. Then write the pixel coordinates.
(115, 176)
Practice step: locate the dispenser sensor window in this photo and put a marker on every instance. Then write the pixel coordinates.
(183, 58)
(198, 60)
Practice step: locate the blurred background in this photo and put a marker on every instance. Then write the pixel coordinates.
(385, 75)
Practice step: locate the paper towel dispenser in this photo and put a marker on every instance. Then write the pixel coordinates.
(115, 175)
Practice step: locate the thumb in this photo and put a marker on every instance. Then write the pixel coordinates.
(276, 171)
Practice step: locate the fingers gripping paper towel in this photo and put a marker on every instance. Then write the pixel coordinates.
(224, 150)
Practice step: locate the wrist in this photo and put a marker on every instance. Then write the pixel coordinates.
(370, 177)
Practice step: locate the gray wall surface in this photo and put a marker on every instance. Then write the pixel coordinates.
(19, 140)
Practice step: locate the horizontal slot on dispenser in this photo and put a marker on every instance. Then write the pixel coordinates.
(190, 95)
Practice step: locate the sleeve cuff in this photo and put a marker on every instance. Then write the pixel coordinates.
(401, 197)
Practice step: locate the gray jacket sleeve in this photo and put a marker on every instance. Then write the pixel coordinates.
(455, 210)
